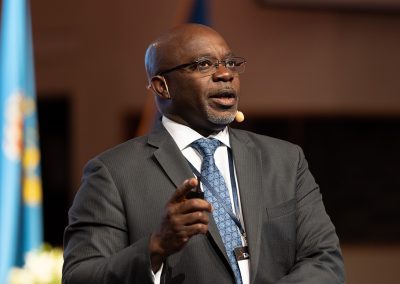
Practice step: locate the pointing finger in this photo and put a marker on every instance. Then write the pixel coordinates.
(182, 190)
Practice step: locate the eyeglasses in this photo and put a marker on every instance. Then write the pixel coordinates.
(208, 65)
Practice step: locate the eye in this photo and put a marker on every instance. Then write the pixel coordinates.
(204, 64)
(231, 63)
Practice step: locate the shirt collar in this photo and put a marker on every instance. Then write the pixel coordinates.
(184, 135)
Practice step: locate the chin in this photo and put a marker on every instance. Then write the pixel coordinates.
(221, 119)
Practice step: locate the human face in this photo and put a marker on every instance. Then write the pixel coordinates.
(205, 103)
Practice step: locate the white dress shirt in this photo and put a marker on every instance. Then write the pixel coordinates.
(183, 137)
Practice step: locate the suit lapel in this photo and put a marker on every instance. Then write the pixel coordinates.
(169, 156)
(249, 175)
(177, 169)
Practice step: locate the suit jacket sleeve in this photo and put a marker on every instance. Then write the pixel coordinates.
(318, 255)
(96, 245)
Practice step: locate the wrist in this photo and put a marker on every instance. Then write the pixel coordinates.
(157, 254)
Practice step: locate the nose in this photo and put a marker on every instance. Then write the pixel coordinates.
(222, 73)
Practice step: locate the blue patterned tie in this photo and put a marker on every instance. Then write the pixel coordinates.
(227, 228)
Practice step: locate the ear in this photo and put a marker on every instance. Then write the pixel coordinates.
(160, 87)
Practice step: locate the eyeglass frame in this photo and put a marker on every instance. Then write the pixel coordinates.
(197, 61)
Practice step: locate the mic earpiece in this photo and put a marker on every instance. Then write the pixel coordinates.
(239, 117)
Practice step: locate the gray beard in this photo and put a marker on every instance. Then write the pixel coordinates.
(221, 120)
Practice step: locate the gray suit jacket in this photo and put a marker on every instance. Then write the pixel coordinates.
(122, 197)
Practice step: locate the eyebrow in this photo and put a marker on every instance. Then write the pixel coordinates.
(229, 54)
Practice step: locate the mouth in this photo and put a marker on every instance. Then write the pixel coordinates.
(224, 98)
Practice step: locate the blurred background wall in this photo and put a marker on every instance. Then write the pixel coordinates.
(326, 79)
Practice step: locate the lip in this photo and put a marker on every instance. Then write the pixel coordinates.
(225, 98)
(224, 102)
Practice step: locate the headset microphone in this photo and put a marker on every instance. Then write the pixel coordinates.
(239, 117)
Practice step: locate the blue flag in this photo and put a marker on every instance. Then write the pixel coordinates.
(20, 182)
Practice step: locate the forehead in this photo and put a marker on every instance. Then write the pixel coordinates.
(200, 43)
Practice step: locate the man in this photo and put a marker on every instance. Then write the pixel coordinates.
(133, 220)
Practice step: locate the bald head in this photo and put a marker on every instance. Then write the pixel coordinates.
(206, 102)
(169, 49)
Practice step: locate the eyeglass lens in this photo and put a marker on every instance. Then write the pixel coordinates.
(210, 65)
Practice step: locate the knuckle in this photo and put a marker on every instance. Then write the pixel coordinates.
(197, 203)
(191, 202)
(202, 228)
(174, 220)
(182, 235)
(170, 211)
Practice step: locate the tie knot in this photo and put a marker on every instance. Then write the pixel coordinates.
(206, 147)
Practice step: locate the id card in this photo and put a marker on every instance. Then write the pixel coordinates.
(243, 257)
(242, 253)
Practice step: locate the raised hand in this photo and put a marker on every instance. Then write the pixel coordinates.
(183, 218)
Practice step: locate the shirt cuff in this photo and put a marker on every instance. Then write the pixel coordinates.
(157, 276)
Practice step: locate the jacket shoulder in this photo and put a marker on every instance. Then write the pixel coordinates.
(264, 142)
(130, 150)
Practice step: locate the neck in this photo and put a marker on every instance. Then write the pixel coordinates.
(203, 130)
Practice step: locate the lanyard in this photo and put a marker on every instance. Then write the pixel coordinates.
(235, 218)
